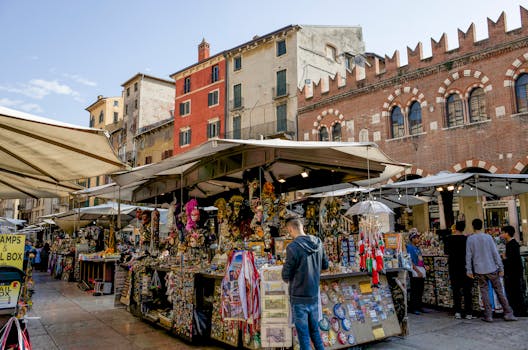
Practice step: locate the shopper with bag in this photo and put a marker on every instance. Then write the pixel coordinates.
(484, 263)
(418, 273)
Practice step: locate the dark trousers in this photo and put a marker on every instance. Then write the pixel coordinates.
(417, 290)
(514, 292)
(484, 293)
(462, 284)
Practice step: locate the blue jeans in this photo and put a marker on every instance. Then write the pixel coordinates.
(305, 317)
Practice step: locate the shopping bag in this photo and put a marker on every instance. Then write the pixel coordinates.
(13, 337)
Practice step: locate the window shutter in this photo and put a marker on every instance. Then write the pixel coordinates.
(189, 137)
(181, 108)
(210, 99)
(181, 138)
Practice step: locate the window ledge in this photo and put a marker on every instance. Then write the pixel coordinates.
(406, 137)
(520, 115)
(468, 125)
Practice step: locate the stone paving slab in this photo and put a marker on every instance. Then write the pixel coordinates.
(71, 319)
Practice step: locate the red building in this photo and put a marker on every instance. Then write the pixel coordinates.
(199, 110)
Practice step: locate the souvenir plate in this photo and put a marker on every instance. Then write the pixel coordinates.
(339, 311)
(324, 324)
(324, 298)
(351, 339)
(335, 324)
(346, 324)
(342, 338)
(332, 337)
(324, 338)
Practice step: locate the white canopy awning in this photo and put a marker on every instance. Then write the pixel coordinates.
(468, 184)
(282, 158)
(111, 191)
(38, 155)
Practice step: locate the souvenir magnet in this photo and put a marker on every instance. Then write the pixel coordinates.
(351, 339)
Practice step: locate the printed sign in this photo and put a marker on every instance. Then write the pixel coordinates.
(9, 294)
(12, 250)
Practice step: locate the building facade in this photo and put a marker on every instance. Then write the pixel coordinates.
(265, 74)
(200, 100)
(155, 142)
(105, 113)
(147, 100)
(460, 110)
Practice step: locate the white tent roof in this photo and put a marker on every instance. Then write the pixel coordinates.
(471, 184)
(111, 191)
(44, 152)
(178, 165)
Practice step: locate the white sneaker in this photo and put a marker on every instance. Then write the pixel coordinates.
(469, 317)
(458, 316)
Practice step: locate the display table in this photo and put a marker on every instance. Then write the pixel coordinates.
(98, 271)
(364, 313)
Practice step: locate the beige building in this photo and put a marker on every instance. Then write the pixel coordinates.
(106, 113)
(265, 73)
(147, 100)
(155, 142)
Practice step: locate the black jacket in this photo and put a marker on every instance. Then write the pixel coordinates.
(305, 258)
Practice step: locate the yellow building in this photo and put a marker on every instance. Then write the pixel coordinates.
(155, 142)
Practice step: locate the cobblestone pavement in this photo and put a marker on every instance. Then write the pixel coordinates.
(71, 319)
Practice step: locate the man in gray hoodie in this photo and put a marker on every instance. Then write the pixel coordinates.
(305, 258)
(484, 263)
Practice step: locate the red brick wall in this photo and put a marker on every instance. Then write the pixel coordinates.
(200, 111)
(499, 144)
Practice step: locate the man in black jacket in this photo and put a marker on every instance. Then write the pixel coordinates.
(513, 272)
(305, 258)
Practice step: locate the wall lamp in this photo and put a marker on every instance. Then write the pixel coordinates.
(304, 173)
(281, 179)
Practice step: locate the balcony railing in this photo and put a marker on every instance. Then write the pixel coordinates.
(280, 91)
(235, 104)
(264, 130)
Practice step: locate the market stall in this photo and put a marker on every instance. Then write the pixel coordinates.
(194, 287)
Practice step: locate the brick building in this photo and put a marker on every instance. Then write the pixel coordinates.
(200, 100)
(463, 109)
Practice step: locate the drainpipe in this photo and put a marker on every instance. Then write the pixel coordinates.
(226, 95)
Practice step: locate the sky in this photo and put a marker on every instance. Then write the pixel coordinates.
(57, 56)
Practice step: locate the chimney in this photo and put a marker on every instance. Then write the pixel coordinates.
(203, 50)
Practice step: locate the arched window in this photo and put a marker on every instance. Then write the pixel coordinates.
(397, 128)
(336, 132)
(521, 93)
(415, 119)
(455, 112)
(477, 106)
(363, 135)
(323, 134)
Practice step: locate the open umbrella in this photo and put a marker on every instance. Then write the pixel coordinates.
(368, 207)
